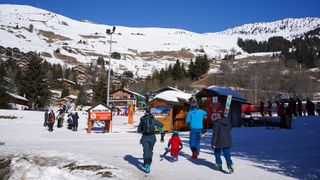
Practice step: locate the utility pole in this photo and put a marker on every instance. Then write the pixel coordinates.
(109, 32)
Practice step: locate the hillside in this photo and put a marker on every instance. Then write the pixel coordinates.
(142, 49)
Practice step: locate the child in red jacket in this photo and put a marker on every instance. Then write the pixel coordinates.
(176, 145)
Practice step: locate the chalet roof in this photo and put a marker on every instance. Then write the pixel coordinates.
(223, 91)
(17, 97)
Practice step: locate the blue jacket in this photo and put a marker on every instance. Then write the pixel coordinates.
(195, 118)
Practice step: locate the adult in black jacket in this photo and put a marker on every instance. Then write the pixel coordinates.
(148, 139)
(222, 140)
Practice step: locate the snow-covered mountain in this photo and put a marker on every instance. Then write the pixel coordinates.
(142, 49)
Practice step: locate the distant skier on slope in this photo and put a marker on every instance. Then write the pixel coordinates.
(148, 139)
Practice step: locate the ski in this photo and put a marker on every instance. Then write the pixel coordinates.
(228, 104)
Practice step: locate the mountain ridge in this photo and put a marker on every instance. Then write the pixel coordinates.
(142, 50)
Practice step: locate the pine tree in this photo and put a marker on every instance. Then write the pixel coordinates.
(34, 85)
(192, 70)
(4, 100)
(82, 97)
(178, 71)
(65, 92)
(100, 91)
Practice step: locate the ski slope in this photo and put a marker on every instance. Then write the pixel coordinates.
(258, 153)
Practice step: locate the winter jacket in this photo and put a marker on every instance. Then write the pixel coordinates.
(175, 143)
(221, 135)
(195, 117)
(153, 121)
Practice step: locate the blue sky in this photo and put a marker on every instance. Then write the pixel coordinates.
(193, 15)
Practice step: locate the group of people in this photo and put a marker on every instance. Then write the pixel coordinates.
(293, 108)
(221, 137)
(50, 118)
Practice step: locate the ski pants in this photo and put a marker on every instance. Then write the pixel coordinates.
(194, 141)
(50, 125)
(147, 144)
(226, 154)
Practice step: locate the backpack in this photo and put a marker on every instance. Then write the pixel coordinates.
(51, 117)
(146, 125)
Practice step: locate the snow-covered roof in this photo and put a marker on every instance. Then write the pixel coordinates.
(99, 107)
(66, 80)
(175, 97)
(137, 94)
(166, 88)
(72, 96)
(224, 91)
(55, 92)
(17, 96)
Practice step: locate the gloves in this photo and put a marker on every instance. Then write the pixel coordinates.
(213, 146)
(162, 137)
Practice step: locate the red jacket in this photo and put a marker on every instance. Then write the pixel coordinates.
(175, 141)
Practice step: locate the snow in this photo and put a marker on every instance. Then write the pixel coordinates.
(131, 42)
(258, 153)
(18, 97)
(173, 96)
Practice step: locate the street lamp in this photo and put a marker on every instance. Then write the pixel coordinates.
(109, 32)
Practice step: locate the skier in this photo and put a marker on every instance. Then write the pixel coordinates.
(222, 140)
(51, 119)
(176, 145)
(195, 117)
(148, 139)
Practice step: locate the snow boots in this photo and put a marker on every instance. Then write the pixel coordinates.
(230, 168)
(195, 154)
(147, 168)
(218, 167)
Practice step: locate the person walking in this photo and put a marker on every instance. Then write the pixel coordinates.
(222, 141)
(130, 114)
(176, 145)
(269, 108)
(288, 117)
(261, 108)
(148, 139)
(46, 116)
(51, 120)
(310, 107)
(75, 118)
(195, 118)
(318, 108)
(299, 108)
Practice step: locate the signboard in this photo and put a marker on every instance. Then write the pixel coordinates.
(214, 99)
(102, 116)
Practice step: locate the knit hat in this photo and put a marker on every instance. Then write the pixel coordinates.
(175, 133)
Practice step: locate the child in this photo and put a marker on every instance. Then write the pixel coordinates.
(176, 145)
